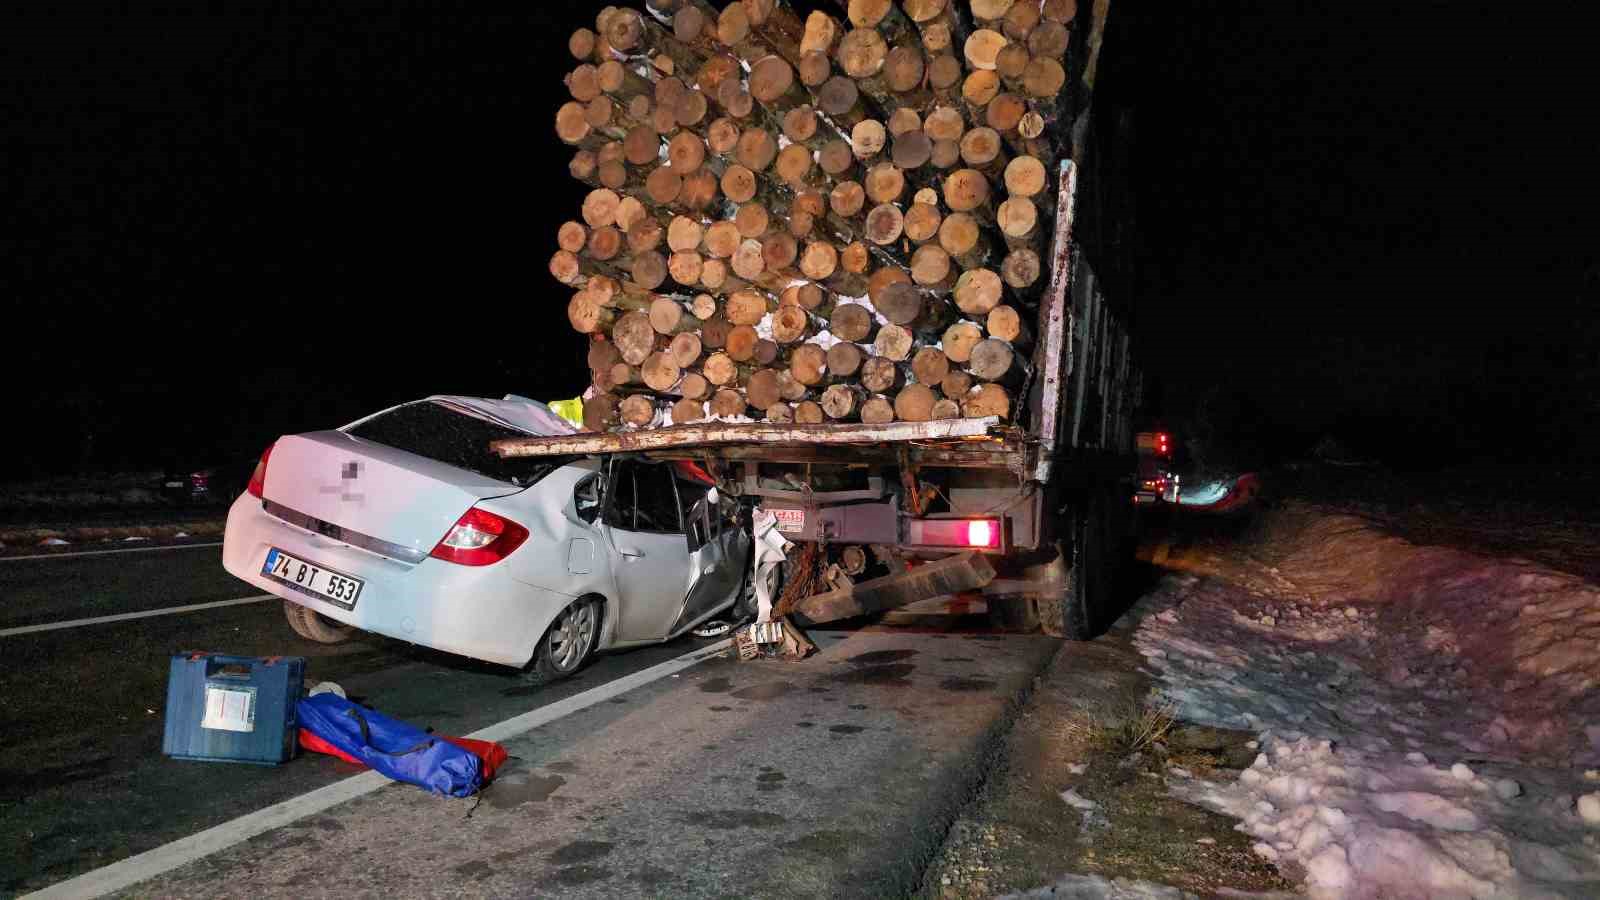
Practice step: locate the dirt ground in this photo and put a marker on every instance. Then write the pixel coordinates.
(1081, 787)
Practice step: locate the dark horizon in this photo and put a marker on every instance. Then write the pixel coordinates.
(232, 225)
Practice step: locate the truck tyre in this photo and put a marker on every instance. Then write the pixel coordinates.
(1074, 608)
(314, 626)
(567, 644)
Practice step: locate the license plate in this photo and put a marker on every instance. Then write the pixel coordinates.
(790, 521)
(310, 578)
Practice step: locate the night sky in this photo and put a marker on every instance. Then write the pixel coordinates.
(230, 225)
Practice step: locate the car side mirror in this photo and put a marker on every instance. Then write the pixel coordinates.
(697, 525)
(588, 497)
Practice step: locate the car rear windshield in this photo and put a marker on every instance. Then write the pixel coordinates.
(455, 438)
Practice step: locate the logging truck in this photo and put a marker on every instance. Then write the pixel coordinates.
(795, 269)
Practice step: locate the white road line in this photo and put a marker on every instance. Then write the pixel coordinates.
(123, 617)
(167, 857)
(107, 552)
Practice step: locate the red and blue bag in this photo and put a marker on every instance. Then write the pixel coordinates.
(456, 767)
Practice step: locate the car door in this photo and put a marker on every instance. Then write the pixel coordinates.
(649, 553)
(717, 550)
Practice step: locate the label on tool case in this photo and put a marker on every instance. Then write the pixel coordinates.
(230, 708)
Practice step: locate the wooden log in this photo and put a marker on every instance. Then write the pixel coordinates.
(978, 89)
(795, 169)
(945, 408)
(995, 360)
(792, 325)
(773, 84)
(1049, 40)
(1011, 62)
(956, 384)
(959, 339)
(884, 183)
(912, 149)
(649, 270)
(893, 342)
(600, 412)
(600, 207)
(1043, 77)
(780, 413)
(808, 364)
(667, 316)
(638, 409)
(1020, 20)
(1020, 269)
(686, 267)
(749, 307)
(723, 371)
(699, 190)
(1004, 113)
(885, 224)
(877, 410)
(945, 76)
(762, 391)
(840, 98)
(1025, 176)
(789, 388)
(602, 354)
(939, 21)
(983, 150)
(968, 191)
(572, 126)
(703, 306)
(930, 366)
(819, 260)
(766, 352)
(842, 402)
(932, 269)
(742, 343)
(572, 236)
(694, 386)
(581, 44)
(728, 403)
(944, 123)
(946, 155)
(714, 332)
(807, 412)
(903, 120)
(687, 410)
(1018, 219)
(605, 244)
(987, 400)
(583, 167)
(660, 372)
(809, 297)
(982, 47)
(922, 222)
(621, 82)
(822, 34)
(757, 148)
(852, 322)
(1007, 324)
(978, 291)
(847, 199)
(634, 336)
(685, 349)
(845, 359)
(914, 403)
(576, 270)
(966, 242)
(862, 55)
(588, 316)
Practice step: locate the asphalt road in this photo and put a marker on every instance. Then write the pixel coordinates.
(853, 758)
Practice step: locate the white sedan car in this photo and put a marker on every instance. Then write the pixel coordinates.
(405, 524)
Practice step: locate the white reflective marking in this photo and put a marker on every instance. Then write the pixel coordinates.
(107, 552)
(123, 617)
(167, 857)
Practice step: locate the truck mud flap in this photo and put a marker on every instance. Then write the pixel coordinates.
(951, 575)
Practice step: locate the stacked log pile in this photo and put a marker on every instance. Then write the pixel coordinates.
(835, 217)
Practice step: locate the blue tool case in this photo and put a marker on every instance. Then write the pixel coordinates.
(224, 708)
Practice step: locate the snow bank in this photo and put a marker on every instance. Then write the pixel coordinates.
(1427, 716)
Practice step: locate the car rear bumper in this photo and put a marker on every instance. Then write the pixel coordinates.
(481, 612)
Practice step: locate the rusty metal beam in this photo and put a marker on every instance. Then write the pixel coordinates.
(718, 433)
(963, 572)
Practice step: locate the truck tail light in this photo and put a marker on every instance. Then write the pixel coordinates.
(978, 534)
(479, 538)
(258, 478)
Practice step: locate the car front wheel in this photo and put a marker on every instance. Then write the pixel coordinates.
(568, 643)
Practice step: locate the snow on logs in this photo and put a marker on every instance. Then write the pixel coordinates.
(835, 216)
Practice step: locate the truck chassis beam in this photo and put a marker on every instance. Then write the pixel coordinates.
(963, 572)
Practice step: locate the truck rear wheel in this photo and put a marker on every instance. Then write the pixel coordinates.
(1080, 577)
(313, 626)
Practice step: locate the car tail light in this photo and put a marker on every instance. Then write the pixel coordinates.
(479, 538)
(981, 534)
(258, 479)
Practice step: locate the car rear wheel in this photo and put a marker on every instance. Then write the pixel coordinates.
(314, 626)
(569, 642)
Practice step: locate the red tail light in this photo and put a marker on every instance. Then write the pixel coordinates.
(983, 534)
(479, 538)
(258, 478)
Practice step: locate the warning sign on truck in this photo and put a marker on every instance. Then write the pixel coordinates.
(790, 521)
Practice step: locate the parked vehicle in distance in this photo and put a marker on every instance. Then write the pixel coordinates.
(405, 524)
